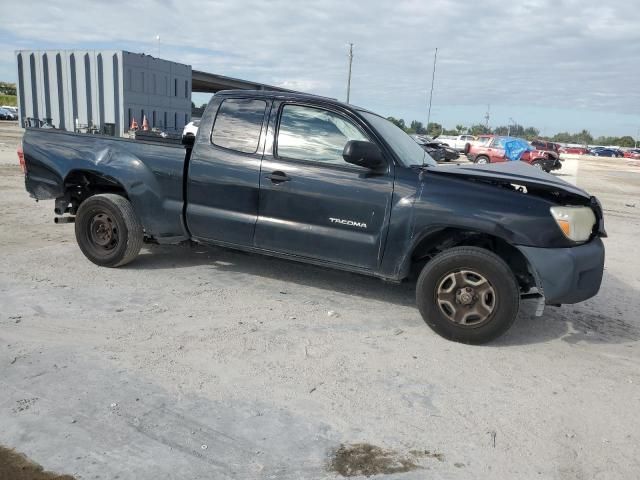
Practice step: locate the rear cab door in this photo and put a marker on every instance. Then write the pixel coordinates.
(223, 180)
(313, 204)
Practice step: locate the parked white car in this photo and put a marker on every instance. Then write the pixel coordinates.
(458, 142)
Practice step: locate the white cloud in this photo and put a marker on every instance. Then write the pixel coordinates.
(556, 53)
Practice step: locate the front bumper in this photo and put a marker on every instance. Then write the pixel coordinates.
(567, 275)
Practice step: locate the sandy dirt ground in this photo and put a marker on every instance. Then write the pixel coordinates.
(205, 363)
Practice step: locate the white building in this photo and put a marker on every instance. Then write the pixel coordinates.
(103, 88)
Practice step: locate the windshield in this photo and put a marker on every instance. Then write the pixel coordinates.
(405, 147)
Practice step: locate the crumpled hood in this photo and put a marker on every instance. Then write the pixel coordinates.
(518, 173)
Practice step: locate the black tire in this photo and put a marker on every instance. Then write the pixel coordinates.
(500, 279)
(108, 231)
(537, 164)
(480, 158)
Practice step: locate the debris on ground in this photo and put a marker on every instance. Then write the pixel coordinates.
(493, 434)
(427, 454)
(366, 459)
(15, 466)
(333, 313)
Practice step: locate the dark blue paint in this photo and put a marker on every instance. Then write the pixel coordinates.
(234, 199)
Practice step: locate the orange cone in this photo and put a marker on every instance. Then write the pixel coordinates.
(134, 124)
(145, 124)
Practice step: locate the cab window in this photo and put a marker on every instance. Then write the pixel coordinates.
(314, 134)
(238, 124)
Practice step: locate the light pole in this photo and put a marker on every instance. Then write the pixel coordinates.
(433, 77)
(511, 120)
(349, 79)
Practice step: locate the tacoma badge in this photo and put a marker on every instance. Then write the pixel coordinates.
(351, 223)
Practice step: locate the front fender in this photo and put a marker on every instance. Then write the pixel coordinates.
(446, 202)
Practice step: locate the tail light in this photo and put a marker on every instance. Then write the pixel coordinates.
(23, 165)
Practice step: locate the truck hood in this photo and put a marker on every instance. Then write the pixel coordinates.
(514, 173)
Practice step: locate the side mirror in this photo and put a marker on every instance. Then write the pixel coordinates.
(363, 153)
(189, 140)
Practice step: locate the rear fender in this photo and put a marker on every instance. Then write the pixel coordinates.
(137, 180)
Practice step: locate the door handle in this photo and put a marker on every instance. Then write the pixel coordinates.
(278, 177)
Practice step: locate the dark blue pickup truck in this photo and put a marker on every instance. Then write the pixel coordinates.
(312, 179)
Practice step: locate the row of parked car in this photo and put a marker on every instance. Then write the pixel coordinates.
(444, 148)
(8, 113)
(491, 149)
(602, 152)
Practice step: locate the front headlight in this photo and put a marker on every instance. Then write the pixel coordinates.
(575, 222)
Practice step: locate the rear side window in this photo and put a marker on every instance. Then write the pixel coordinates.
(238, 124)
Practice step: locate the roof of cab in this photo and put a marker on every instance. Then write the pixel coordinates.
(289, 96)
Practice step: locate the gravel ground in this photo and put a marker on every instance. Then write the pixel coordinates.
(197, 363)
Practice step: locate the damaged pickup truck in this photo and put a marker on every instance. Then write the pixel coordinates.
(311, 179)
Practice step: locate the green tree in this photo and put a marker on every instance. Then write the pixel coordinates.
(562, 137)
(417, 127)
(434, 129)
(626, 141)
(460, 129)
(531, 133)
(398, 122)
(7, 88)
(479, 129)
(502, 130)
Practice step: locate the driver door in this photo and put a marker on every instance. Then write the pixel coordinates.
(312, 203)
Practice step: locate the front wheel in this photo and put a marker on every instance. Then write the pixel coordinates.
(468, 295)
(538, 165)
(108, 231)
(482, 160)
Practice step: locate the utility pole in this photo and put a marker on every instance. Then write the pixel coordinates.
(487, 116)
(349, 79)
(511, 120)
(433, 77)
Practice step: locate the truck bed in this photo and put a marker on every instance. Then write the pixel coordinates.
(150, 172)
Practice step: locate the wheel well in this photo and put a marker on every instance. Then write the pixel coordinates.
(447, 238)
(82, 184)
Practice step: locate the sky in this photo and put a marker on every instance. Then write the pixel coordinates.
(559, 65)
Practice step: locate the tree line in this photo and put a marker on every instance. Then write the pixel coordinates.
(583, 137)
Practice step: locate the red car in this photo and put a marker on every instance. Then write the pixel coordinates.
(492, 151)
(574, 150)
(633, 153)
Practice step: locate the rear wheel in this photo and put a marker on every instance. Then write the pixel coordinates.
(482, 160)
(468, 295)
(108, 231)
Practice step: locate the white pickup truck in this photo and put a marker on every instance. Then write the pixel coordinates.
(457, 142)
